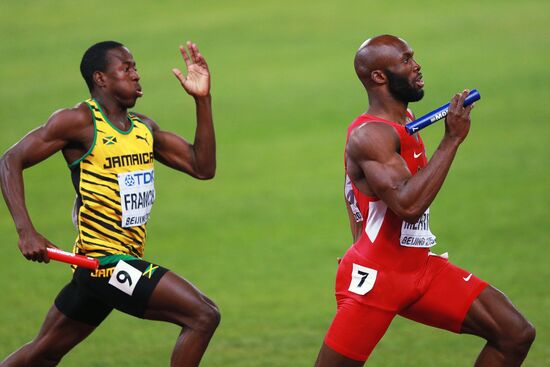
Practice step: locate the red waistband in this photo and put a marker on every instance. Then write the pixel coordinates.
(392, 256)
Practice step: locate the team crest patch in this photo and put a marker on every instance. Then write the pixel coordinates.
(109, 140)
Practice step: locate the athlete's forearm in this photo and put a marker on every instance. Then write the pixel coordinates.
(204, 145)
(11, 179)
(420, 190)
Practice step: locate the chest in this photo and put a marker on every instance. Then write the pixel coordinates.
(413, 152)
(118, 151)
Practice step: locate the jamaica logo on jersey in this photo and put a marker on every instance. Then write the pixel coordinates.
(150, 270)
(109, 140)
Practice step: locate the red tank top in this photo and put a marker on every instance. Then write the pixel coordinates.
(385, 238)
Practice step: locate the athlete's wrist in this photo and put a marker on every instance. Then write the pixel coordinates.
(450, 142)
(203, 99)
(23, 229)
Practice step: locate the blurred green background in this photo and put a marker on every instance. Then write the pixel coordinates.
(262, 238)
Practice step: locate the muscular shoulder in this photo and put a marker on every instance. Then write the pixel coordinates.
(153, 126)
(372, 141)
(69, 122)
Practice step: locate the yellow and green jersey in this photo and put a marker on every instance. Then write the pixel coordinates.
(115, 189)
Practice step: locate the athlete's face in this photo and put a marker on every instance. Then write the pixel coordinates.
(404, 77)
(121, 77)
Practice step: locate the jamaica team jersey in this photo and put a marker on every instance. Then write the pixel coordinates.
(115, 188)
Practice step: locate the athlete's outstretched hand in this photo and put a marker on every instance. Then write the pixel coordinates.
(197, 80)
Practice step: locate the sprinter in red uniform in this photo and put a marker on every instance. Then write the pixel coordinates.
(390, 184)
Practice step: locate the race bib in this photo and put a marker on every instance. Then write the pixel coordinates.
(137, 195)
(125, 277)
(362, 279)
(418, 234)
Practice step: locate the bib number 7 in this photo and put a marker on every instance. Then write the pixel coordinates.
(362, 279)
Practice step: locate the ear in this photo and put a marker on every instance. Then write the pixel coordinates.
(378, 77)
(99, 79)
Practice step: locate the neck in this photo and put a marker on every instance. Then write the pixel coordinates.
(115, 112)
(387, 108)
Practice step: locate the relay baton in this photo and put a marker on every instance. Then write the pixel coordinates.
(74, 259)
(438, 114)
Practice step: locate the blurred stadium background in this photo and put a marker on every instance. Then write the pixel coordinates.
(262, 238)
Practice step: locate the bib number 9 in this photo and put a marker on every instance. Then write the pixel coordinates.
(362, 279)
(125, 277)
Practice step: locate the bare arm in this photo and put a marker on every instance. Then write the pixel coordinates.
(197, 159)
(62, 128)
(373, 153)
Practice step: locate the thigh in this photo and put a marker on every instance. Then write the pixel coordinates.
(79, 304)
(58, 335)
(356, 329)
(328, 357)
(178, 301)
(490, 314)
(447, 297)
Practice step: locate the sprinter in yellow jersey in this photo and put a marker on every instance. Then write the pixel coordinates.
(111, 154)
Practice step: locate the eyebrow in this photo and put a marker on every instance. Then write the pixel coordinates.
(125, 61)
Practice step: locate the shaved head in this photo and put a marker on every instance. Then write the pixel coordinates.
(377, 53)
(385, 65)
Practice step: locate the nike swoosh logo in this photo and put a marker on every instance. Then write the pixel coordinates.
(467, 279)
(417, 155)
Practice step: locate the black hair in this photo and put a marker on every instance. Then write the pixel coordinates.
(94, 59)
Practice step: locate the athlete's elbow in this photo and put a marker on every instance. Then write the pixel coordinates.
(205, 177)
(206, 173)
(410, 218)
(410, 214)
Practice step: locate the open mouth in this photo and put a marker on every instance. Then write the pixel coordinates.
(419, 82)
(139, 92)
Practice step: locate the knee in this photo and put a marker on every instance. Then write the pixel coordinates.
(518, 339)
(525, 336)
(208, 317)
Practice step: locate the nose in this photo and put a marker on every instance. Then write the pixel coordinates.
(135, 75)
(417, 66)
